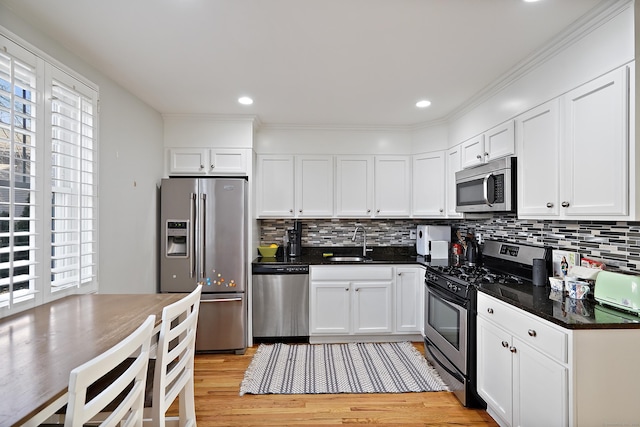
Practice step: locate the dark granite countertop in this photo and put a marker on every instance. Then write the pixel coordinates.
(538, 300)
(379, 255)
(560, 309)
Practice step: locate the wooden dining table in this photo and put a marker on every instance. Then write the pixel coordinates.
(40, 346)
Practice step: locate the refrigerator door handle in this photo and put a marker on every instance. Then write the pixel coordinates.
(203, 225)
(207, 301)
(192, 234)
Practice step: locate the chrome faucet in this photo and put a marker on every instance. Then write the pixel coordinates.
(364, 239)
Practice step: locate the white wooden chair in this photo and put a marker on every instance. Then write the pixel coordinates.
(129, 411)
(173, 376)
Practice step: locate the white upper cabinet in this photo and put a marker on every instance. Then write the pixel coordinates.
(573, 160)
(202, 161)
(538, 165)
(472, 151)
(314, 186)
(275, 185)
(495, 143)
(453, 165)
(596, 166)
(354, 186)
(392, 186)
(499, 142)
(429, 185)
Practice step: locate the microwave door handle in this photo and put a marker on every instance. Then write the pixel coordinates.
(485, 189)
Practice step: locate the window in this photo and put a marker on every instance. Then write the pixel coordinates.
(48, 181)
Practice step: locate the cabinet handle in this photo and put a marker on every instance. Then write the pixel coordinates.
(441, 210)
(490, 310)
(290, 210)
(213, 166)
(399, 274)
(486, 154)
(479, 157)
(512, 349)
(368, 210)
(505, 344)
(346, 289)
(549, 205)
(532, 333)
(300, 211)
(565, 204)
(377, 210)
(357, 289)
(201, 166)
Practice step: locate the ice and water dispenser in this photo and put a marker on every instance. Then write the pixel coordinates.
(177, 233)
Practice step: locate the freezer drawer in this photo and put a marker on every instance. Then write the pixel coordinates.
(222, 323)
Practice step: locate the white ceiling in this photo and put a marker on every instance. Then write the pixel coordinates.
(310, 62)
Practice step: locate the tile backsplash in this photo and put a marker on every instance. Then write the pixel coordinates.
(615, 243)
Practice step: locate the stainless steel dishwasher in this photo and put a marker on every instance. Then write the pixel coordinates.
(280, 295)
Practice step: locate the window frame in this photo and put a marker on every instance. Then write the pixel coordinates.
(47, 70)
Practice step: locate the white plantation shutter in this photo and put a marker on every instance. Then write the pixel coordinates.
(18, 155)
(73, 185)
(48, 179)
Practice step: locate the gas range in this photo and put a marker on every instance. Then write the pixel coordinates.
(450, 310)
(503, 263)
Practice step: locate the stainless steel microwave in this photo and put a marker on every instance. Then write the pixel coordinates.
(487, 188)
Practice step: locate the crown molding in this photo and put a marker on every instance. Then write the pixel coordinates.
(596, 17)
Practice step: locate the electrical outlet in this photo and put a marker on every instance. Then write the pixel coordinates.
(412, 234)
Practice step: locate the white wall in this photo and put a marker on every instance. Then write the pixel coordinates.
(310, 140)
(130, 167)
(608, 44)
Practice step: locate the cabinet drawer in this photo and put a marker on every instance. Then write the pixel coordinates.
(534, 331)
(350, 272)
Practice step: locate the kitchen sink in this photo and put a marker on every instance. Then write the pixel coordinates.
(347, 259)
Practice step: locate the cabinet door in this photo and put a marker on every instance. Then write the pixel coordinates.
(428, 185)
(188, 161)
(494, 368)
(330, 308)
(227, 161)
(371, 307)
(354, 186)
(538, 161)
(453, 166)
(472, 152)
(314, 186)
(409, 290)
(392, 186)
(499, 142)
(275, 186)
(596, 162)
(540, 389)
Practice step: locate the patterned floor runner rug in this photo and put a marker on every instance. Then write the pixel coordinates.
(339, 368)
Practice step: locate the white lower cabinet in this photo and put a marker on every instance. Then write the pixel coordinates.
(532, 372)
(523, 374)
(409, 299)
(357, 301)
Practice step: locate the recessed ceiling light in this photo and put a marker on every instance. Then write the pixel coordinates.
(423, 104)
(530, 1)
(245, 100)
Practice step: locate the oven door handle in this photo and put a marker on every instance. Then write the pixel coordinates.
(453, 301)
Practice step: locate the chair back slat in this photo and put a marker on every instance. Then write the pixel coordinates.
(131, 382)
(173, 375)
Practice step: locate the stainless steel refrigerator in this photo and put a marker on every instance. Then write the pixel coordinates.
(204, 234)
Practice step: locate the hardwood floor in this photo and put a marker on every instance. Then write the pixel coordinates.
(217, 386)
